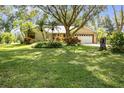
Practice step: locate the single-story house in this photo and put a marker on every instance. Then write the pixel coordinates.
(85, 34)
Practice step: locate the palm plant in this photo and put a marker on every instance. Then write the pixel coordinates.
(53, 25)
(41, 23)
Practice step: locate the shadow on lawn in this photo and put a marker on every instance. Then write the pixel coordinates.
(64, 67)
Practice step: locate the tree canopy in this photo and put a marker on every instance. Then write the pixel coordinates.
(68, 15)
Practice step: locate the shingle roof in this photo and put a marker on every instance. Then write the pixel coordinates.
(61, 29)
(57, 29)
(85, 30)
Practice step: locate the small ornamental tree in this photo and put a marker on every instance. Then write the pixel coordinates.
(7, 37)
(102, 38)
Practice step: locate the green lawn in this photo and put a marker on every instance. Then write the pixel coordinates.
(23, 66)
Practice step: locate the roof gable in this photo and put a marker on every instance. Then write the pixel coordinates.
(85, 30)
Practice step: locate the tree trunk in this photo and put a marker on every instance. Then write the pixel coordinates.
(67, 36)
(52, 35)
(102, 44)
(67, 32)
(43, 35)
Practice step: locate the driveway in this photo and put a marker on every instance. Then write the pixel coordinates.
(96, 45)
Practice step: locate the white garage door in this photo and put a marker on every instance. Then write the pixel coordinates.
(85, 39)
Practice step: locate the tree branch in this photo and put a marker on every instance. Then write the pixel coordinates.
(115, 16)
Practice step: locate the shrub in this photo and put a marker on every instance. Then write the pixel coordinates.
(49, 44)
(40, 45)
(117, 41)
(53, 44)
(72, 41)
(7, 37)
(28, 40)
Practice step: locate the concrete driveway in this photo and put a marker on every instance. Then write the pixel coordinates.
(96, 45)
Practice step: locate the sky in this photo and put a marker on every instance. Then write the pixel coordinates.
(109, 10)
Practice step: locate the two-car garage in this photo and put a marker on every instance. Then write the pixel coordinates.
(86, 39)
(86, 36)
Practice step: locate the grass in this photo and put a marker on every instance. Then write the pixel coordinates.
(82, 66)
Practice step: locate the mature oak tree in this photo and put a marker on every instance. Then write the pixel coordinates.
(68, 14)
